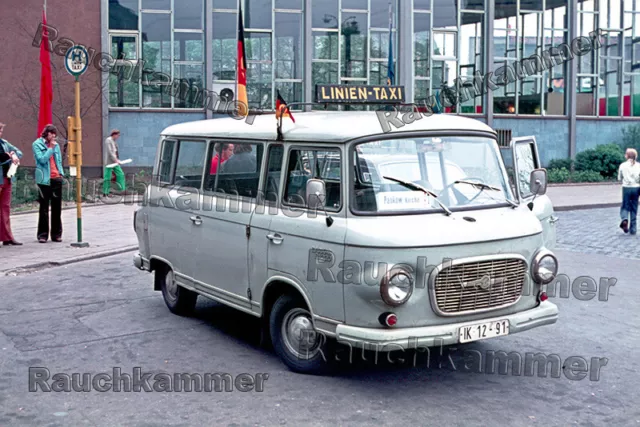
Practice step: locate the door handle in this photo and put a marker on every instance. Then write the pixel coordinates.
(275, 238)
(196, 220)
(553, 219)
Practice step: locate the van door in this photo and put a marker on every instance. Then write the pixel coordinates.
(229, 199)
(266, 208)
(300, 238)
(173, 202)
(525, 159)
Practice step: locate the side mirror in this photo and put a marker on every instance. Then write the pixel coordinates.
(316, 193)
(538, 182)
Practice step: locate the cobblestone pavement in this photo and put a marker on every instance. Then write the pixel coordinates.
(596, 231)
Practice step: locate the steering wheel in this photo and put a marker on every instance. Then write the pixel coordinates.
(445, 189)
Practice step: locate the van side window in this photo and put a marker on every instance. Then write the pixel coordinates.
(318, 164)
(237, 167)
(190, 163)
(166, 161)
(274, 171)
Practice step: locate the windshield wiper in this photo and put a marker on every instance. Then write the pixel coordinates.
(482, 186)
(414, 186)
(477, 185)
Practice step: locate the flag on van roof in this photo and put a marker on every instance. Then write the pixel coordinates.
(282, 110)
(241, 69)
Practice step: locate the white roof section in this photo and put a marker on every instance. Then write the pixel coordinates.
(326, 126)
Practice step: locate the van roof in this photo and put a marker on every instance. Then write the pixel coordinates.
(325, 126)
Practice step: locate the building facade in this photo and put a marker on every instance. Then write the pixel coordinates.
(569, 101)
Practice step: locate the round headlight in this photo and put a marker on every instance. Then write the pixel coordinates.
(396, 287)
(545, 267)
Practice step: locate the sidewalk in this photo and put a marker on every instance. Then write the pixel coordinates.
(584, 196)
(107, 228)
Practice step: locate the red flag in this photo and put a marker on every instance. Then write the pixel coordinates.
(242, 68)
(46, 85)
(282, 109)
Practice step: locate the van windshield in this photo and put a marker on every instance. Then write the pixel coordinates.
(462, 171)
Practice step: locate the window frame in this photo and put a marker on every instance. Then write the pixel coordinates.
(179, 141)
(305, 146)
(262, 191)
(172, 164)
(174, 64)
(211, 142)
(421, 134)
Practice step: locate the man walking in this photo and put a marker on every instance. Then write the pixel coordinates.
(629, 174)
(111, 147)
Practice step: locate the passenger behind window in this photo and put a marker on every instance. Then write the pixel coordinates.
(227, 152)
(242, 161)
(239, 174)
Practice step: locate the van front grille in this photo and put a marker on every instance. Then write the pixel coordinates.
(479, 286)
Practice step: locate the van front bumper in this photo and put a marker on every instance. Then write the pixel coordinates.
(432, 336)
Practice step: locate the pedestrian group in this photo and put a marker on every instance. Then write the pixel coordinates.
(49, 177)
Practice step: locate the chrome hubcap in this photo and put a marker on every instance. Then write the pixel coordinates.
(172, 286)
(299, 335)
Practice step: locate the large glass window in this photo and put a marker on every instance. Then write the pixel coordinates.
(162, 64)
(123, 14)
(273, 31)
(124, 87)
(530, 59)
(608, 76)
(448, 50)
(351, 42)
(156, 54)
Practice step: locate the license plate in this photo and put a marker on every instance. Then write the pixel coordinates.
(482, 331)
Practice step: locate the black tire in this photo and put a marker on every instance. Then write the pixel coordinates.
(314, 358)
(179, 300)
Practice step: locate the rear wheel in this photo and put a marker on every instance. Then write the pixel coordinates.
(295, 340)
(179, 300)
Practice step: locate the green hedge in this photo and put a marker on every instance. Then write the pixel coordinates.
(603, 159)
(561, 175)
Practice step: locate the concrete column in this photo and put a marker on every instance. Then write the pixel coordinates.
(404, 56)
(570, 77)
(308, 55)
(488, 58)
(208, 40)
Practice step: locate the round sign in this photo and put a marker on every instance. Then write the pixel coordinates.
(77, 60)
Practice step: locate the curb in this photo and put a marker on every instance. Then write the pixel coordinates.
(88, 205)
(582, 184)
(50, 264)
(584, 207)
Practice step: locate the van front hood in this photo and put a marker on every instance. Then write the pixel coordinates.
(437, 229)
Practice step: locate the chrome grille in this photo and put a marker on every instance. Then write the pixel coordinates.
(479, 286)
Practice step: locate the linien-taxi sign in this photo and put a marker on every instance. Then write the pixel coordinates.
(369, 94)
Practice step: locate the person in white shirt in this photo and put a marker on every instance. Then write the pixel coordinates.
(629, 174)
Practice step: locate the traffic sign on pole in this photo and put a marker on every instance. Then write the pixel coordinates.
(76, 61)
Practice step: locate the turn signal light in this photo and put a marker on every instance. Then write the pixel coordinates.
(543, 296)
(388, 319)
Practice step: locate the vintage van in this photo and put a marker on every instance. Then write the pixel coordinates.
(334, 231)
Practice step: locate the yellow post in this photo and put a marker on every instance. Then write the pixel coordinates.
(78, 164)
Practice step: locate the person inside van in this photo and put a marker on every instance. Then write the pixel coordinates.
(242, 161)
(227, 152)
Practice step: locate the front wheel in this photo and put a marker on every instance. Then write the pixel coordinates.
(179, 300)
(295, 340)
